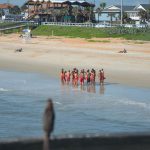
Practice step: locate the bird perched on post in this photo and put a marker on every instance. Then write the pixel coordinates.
(49, 118)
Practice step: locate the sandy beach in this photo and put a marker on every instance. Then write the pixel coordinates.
(48, 55)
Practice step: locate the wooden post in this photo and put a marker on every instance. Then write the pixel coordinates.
(52, 33)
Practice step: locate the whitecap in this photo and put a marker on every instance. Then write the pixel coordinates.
(135, 103)
(58, 103)
(3, 90)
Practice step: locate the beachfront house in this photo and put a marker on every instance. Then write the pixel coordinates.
(10, 12)
(4, 10)
(112, 13)
(59, 10)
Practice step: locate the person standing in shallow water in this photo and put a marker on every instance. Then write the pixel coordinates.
(48, 121)
(49, 118)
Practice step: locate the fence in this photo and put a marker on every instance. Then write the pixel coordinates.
(97, 25)
(92, 25)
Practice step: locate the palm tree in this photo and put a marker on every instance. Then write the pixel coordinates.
(88, 13)
(15, 10)
(111, 15)
(64, 12)
(102, 5)
(1, 13)
(143, 15)
(55, 13)
(75, 12)
(98, 10)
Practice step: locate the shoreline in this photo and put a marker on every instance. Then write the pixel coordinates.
(47, 56)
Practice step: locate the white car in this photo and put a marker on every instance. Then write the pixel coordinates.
(128, 25)
(103, 26)
(141, 25)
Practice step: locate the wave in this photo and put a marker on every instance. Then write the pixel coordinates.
(3, 90)
(58, 103)
(135, 103)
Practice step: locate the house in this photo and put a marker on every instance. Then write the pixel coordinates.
(4, 8)
(113, 13)
(144, 7)
(58, 10)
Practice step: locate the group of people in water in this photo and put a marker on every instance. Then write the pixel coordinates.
(81, 77)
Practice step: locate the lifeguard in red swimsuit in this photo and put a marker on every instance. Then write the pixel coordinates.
(62, 75)
(101, 77)
(76, 78)
(92, 77)
(68, 74)
(81, 77)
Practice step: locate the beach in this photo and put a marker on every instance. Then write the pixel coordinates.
(47, 55)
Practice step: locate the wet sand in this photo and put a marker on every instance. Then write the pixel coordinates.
(48, 55)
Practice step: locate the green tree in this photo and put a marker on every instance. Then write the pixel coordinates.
(64, 12)
(98, 10)
(111, 15)
(143, 14)
(1, 12)
(102, 5)
(75, 13)
(88, 13)
(15, 10)
(55, 14)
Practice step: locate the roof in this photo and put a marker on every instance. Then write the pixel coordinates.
(6, 6)
(145, 6)
(117, 8)
(126, 8)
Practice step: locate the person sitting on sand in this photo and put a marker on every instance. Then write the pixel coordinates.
(124, 51)
(19, 50)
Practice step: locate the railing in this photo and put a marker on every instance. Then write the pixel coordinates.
(92, 25)
(8, 25)
(13, 27)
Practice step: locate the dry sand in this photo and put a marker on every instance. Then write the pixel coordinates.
(49, 54)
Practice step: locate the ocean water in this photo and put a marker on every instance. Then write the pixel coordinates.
(113, 108)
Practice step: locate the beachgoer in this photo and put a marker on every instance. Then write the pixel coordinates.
(62, 76)
(76, 78)
(92, 77)
(72, 73)
(81, 77)
(68, 74)
(102, 76)
(88, 77)
(49, 118)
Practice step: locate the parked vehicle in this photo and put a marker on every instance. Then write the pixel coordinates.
(103, 26)
(141, 25)
(128, 25)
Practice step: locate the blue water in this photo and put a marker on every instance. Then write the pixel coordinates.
(113, 108)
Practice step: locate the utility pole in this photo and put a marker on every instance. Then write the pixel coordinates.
(121, 21)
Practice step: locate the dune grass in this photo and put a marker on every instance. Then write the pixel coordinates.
(87, 33)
